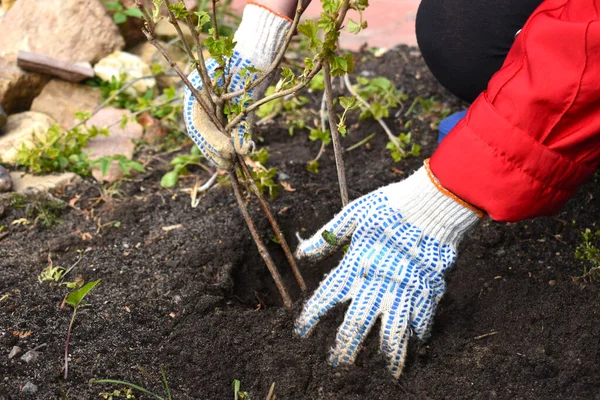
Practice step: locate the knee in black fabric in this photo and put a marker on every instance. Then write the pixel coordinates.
(464, 42)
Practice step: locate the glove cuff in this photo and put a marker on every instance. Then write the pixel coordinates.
(261, 34)
(440, 214)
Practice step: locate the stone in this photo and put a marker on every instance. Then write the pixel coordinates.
(17, 87)
(28, 183)
(29, 388)
(14, 352)
(60, 29)
(30, 356)
(61, 100)
(3, 118)
(119, 141)
(5, 180)
(132, 66)
(19, 130)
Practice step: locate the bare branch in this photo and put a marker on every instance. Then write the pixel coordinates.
(206, 82)
(264, 253)
(273, 222)
(214, 18)
(335, 135)
(200, 68)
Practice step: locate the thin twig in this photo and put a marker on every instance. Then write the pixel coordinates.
(271, 394)
(335, 135)
(264, 253)
(367, 106)
(267, 73)
(214, 19)
(150, 35)
(357, 145)
(201, 63)
(189, 51)
(273, 222)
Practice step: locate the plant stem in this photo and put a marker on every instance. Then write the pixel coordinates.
(357, 145)
(201, 69)
(201, 63)
(265, 206)
(148, 31)
(264, 253)
(367, 106)
(335, 135)
(267, 73)
(67, 343)
(214, 19)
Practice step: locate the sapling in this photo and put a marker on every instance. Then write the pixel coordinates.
(139, 388)
(75, 300)
(227, 109)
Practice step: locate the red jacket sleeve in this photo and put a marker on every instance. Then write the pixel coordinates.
(533, 137)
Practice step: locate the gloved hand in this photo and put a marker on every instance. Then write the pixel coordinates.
(404, 239)
(259, 38)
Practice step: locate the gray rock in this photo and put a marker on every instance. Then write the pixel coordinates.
(3, 117)
(14, 352)
(5, 180)
(29, 388)
(19, 130)
(30, 356)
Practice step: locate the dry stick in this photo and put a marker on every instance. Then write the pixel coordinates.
(264, 253)
(148, 31)
(264, 75)
(189, 52)
(273, 222)
(335, 135)
(323, 116)
(365, 104)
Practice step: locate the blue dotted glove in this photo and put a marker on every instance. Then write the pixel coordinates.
(404, 239)
(259, 38)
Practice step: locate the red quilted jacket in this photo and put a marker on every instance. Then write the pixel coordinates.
(533, 137)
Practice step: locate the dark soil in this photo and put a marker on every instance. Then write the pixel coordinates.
(198, 300)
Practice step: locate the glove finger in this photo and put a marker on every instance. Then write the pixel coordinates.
(338, 231)
(423, 311)
(334, 289)
(395, 333)
(359, 320)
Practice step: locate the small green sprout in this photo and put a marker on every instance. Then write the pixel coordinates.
(329, 237)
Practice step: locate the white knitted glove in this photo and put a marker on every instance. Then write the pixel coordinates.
(259, 38)
(404, 239)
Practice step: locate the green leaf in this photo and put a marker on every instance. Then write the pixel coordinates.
(133, 12)
(119, 18)
(329, 237)
(203, 19)
(348, 103)
(353, 27)
(178, 9)
(75, 298)
(313, 167)
(169, 179)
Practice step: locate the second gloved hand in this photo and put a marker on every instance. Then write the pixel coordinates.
(259, 38)
(404, 239)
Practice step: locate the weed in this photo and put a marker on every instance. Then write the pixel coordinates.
(126, 393)
(237, 393)
(125, 164)
(59, 150)
(589, 252)
(403, 147)
(42, 207)
(139, 388)
(120, 13)
(51, 273)
(75, 300)
(180, 166)
(263, 176)
(381, 94)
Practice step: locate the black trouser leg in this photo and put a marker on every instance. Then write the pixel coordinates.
(464, 42)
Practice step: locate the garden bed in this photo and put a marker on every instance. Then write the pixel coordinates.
(185, 289)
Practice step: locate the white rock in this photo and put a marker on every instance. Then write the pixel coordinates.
(19, 130)
(30, 356)
(25, 183)
(29, 388)
(132, 66)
